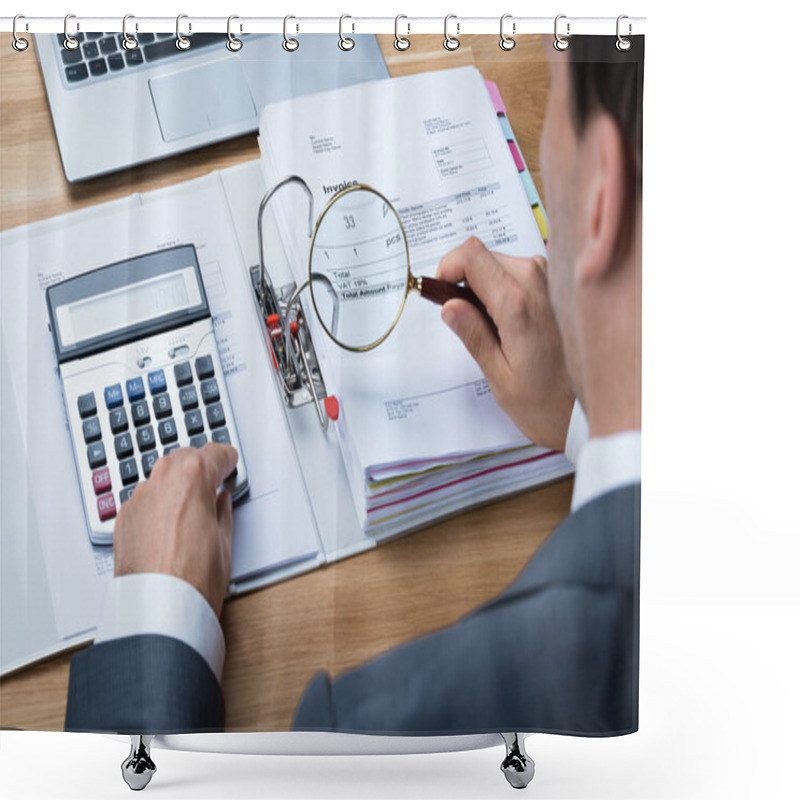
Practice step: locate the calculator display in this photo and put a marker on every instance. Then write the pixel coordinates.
(127, 305)
(126, 301)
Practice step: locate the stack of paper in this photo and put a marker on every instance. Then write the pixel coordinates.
(420, 432)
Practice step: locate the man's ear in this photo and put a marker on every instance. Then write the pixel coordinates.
(603, 202)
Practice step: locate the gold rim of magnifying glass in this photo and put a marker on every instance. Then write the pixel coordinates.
(409, 278)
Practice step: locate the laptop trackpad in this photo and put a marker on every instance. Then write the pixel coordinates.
(201, 99)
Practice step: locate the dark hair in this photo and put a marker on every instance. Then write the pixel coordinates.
(606, 80)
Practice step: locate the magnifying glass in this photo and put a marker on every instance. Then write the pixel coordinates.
(360, 270)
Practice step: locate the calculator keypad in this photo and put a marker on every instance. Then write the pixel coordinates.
(126, 426)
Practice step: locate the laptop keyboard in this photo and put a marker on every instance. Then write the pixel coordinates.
(101, 54)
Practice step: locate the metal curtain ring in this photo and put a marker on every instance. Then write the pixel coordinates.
(400, 42)
(451, 42)
(70, 42)
(506, 42)
(181, 42)
(345, 42)
(623, 44)
(289, 44)
(560, 42)
(128, 42)
(19, 44)
(233, 44)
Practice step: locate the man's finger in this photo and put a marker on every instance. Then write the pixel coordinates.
(475, 331)
(221, 460)
(473, 263)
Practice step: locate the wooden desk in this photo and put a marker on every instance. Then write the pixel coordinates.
(336, 617)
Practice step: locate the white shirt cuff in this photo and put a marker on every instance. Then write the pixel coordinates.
(577, 433)
(152, 603)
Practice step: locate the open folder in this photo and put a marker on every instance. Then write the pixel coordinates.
(311, 490)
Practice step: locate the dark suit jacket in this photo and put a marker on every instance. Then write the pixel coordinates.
(557, 652)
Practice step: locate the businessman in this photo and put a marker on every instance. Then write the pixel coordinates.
(558, 650)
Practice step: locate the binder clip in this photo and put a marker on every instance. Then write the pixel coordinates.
(291, 348)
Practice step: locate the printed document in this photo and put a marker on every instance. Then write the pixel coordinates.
(432, 145)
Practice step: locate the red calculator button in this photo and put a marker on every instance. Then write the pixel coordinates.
(101, 480)
(106, 507)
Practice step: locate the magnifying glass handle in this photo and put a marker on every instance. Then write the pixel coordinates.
(440, 292)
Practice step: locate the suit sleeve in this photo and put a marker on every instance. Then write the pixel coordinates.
(555, 660)
(146, 684)
(557, 652)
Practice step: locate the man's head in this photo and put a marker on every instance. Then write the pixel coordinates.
(591, 156)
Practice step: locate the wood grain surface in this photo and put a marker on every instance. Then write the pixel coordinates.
(338, 616)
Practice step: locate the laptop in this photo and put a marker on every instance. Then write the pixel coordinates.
(114, 108)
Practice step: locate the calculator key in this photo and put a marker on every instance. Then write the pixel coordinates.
(221, 436)
(171, 449)
(198, 441)
(148, 462)
(135, 388)
(97, 454)
(101, 480)
(162, 406)
(126, 493)
(87, 406)
(157, 381)
(91, 430)
(118, 419)
(140, 412)
(188, 397)
(183, 373)
(215, 415)
(128, 471)
(194, 422)
(146, 438)
(113, 396)
(204, 366)
(123, 445)
(106, 507)
(210, 391)
(167, 431)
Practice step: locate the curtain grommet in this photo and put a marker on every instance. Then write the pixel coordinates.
(560, 42)
(451, 43)
(507, 42)
(289, 44)
(401, 43)
(18, 43)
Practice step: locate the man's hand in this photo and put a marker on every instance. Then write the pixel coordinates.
(176, 523)
(523, 361)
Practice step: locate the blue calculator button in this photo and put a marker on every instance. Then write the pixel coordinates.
(157, 381)
(113, 396)
(135, 387)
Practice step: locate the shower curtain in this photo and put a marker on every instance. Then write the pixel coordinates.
(397, 545)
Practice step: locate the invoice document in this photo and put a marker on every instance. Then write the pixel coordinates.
(432, 145)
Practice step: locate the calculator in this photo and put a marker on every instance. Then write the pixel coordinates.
(141, 375)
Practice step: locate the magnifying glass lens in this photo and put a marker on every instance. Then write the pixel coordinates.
(359, 269)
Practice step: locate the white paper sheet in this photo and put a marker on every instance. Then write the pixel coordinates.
(273, 526)
(431, 144)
